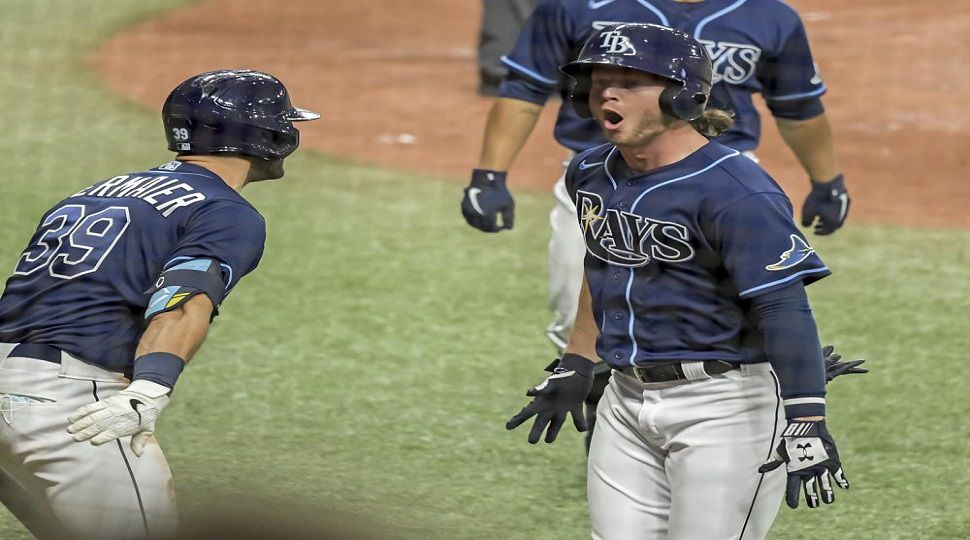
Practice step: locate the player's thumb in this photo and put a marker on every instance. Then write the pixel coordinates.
(773, 462)
(808, 214)
(508, 217)
(139, 440)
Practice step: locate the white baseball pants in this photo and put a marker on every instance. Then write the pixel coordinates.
(679, 460)
(103, 492)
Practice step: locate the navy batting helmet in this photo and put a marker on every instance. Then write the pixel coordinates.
(651, 48)
(239, 111)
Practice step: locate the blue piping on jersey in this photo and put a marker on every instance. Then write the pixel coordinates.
(596, 4)
(629, 304)
(686, 176)
(709, 18)
(657, 12)
(528, 72)
(170, 173)
(606, 167)
(803, 95)
(629, 286)
(783, 280)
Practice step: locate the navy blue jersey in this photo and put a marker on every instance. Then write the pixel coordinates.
(674, 255)
(756, 46)
(81, 283)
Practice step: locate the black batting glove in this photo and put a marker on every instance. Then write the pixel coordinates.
(828, 203)
(562, 392)
(835, 367)
(486, 197)
(809, 452)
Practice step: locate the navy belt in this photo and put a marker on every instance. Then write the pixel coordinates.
(36, 351)
(674, 371)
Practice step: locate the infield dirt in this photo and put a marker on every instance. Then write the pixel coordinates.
(395, 80)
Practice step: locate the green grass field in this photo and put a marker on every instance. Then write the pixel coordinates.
(371, 361)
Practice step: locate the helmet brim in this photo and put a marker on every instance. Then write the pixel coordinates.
(581, 69)
(301, 115)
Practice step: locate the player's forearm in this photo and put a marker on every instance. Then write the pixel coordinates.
(813, 144)
(510, 122)
(582, 341)
(180, 331)
(791, 344)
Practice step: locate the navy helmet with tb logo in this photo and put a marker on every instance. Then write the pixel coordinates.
(239, 111)
(650, 48)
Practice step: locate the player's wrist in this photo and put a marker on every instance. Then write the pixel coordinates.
(148, 389)
(158, 367)
(488, 177)
(837, 181)
(580, 364)
(805, 407)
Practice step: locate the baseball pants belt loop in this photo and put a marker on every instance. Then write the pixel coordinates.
(676, 371)
(37, 351)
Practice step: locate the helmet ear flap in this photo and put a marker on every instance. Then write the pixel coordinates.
(679, 102)
(579, 98)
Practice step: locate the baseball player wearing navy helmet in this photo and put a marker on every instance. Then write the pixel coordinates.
(756, 47)
(114, 293)
(694, 295)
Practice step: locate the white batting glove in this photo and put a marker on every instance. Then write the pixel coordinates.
(132, 411)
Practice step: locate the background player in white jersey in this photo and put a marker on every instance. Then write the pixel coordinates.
(757, 47)
(695, 296)
(115, 293)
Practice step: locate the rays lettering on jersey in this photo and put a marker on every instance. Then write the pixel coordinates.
(734, 63)
(627, 239)
(164, 193)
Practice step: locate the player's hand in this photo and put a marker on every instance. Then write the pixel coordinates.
(835, 367)
(486, 197)
(828, 202)
(562, 392)
(810, 454)
(132, 411)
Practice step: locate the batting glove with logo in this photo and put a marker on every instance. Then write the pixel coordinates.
(810, 454)
(485, 198)
(828, 202)
(562, 392)
(132, 411)
(835, 367)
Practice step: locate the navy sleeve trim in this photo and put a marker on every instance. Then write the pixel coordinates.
(778, 283)
(515, 86)
(801, 109)
(803, 95)
(528, 73)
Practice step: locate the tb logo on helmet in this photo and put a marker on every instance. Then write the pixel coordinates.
(615, 42)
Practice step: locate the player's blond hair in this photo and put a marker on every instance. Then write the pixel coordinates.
(713, 122)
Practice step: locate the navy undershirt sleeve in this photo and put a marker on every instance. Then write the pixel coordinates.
(792, 346)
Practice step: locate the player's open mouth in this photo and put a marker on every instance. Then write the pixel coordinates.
(612, 119)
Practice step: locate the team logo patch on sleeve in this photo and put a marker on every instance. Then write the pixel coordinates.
(798, 252)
